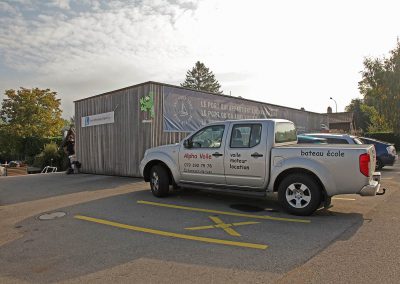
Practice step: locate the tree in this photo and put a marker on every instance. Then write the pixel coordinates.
(201, 78)
(380, 86)
(361, 119)
(367, 118)
(31, 113)
(68, 123)
(28, 117)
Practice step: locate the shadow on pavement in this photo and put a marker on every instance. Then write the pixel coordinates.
(33, 187)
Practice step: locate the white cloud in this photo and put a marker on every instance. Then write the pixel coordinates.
(287, 52)
(7, 8)
(62, 4)
(132, 33)
(96, 51)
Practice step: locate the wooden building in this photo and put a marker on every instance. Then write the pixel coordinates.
(114, 129)
(341, 122)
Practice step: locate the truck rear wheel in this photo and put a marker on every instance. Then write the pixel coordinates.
(159, 181)
(378, 165)
(299, 194)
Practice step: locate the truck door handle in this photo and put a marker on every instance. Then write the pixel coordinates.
(256, 155)
(216, 154)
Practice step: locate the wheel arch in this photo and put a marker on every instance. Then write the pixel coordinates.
(149, 165)
(290, 171)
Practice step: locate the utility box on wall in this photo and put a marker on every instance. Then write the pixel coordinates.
(114, 129)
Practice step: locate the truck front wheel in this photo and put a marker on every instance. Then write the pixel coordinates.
(299, 194)
(159, 181)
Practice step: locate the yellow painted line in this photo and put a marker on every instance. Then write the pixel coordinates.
(201, 228)
(170, 234)
(223, 212)
(225, 227)
(344, 198)
(244, 223)
(217, 226)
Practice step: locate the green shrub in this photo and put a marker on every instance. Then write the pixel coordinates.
(24, 149)
(51, 155)
(386, 136)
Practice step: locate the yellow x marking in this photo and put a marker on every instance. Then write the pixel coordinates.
(220, 224)
(170, 234)
(264, 217)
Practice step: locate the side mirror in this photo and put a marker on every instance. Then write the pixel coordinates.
(187, 144)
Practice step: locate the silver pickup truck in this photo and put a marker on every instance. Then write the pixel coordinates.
(260, 156)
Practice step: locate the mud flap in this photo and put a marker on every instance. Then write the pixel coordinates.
(327, 202)
(382, 192)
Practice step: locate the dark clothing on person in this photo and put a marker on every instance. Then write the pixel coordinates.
(69, 148)
(70, 145)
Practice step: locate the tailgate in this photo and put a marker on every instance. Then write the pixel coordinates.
(372, 159)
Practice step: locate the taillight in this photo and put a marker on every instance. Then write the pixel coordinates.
(364, 164)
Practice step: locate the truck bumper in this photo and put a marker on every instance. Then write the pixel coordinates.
(377, 176)
(370, 189)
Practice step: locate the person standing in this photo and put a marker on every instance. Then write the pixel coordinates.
(69, 148)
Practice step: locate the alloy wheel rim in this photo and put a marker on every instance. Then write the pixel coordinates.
(155, 181)
(298, 195)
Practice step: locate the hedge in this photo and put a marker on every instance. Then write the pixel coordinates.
(386, 136)
(24, 149)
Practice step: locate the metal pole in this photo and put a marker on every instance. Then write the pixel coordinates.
(335, 102)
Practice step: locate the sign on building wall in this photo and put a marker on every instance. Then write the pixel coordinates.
(186, 111)
(97, 119)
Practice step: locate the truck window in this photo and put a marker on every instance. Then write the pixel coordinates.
(337, 141)
(285, 132)
(208, 137)
(245, 135)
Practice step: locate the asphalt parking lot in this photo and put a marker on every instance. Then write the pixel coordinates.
(87, 228)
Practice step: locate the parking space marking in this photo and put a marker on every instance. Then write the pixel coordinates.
(265, 217)
(344, 198)
(171, 234)
(224, 226)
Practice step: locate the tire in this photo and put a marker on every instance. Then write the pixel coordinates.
(379, 164)
(299, 194)
(159, 181)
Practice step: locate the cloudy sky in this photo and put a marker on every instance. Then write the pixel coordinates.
(291, 53)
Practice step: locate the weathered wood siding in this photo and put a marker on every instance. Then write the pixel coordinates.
(118, 148)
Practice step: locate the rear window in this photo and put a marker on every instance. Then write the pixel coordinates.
(337, 141)
(285, 132)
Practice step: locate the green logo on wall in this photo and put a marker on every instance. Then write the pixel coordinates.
(147, 104)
